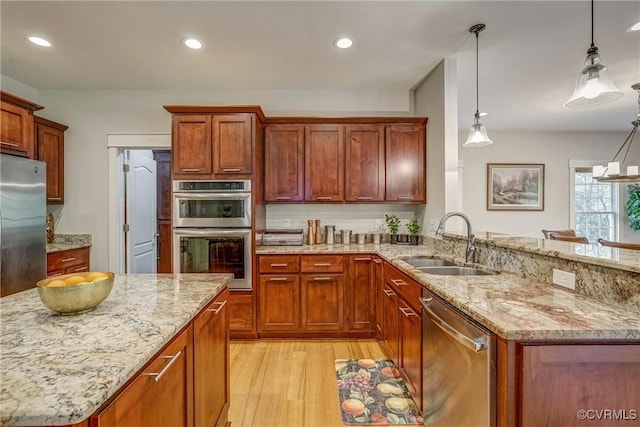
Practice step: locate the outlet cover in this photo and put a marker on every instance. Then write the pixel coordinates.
(564, 279)
(433, 225)
(286, 222)
(378, 224)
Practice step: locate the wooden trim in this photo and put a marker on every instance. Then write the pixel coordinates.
(508, 383)
(346, 120)
(20, 102)
(50, 123)
(215, 109)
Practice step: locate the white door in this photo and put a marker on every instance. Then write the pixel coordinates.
(141, 212)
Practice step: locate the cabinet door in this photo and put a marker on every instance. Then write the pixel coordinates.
(284, 163)
(322, 302)
(232, 144)
(162, 395)
(379, 286)
(211, 363)
(324, 163)
(279, 303)
(165, 243)
(391, 319)
(69, 261)
(405, 148)
(241, 315)
(411, 351)
(50, 149)
(16, 130)
(191, 149)
(364, 163)
(163, 184)
(360, 293)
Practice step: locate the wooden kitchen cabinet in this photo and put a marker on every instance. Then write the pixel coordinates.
(391, 331)
(211, 364)
(242, 322)
(191, 146)
(410, 330)
(233, 144)
(163, 213)
(49, 137)
(17, 126)
(360, 292)
(322, 307)
(405, 156)
(161, 395)
(284, 163)
(324, 163)
(279, 303)
(69, 261)
(364, 163)
(378, 283)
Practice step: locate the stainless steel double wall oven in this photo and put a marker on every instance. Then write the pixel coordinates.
(212, 229)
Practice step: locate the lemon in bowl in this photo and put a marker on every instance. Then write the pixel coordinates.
(75, 293)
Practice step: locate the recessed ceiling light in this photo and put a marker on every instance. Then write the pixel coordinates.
(634, 27)
(192, 43)
(343, 43)
(39, 41)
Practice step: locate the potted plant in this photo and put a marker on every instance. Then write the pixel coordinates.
(414, 229)
(633, 206)
(393, 224)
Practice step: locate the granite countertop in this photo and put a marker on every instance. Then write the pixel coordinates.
(59, 370)
(512, 307)
(65, 242)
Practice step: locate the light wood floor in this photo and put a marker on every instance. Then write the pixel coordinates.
(278, 383)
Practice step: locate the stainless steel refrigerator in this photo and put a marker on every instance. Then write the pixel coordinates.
(23, 259)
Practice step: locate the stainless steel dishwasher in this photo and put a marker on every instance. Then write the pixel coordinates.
(459, 378)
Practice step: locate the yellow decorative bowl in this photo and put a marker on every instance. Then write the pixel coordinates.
(75, 293)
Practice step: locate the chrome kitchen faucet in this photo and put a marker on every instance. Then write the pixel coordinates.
(471, 240)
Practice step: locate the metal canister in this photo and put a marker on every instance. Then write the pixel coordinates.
(361, 238)
(346, 237)
(330, 234)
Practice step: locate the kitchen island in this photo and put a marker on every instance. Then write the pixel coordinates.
(59, 370)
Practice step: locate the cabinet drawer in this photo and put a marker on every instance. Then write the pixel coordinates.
(279, 264)
(405, 286)
(67, 259)
(322, 264)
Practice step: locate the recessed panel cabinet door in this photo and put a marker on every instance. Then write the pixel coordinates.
(364, 163)
(360, 293)
(324, 163)
(391, 321)
(191, 147)
(279, 302)
(405, 149)
(284, 163)
(411, 339)
(50, 149)
(322, 302)
(232, 144)
(16, 130)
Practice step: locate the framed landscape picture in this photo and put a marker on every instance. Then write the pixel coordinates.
(515, 186)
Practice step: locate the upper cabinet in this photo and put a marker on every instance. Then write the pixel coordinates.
(17, 126)
(324, 163)
(284, 163)
(49, 137)
(405, 151)
(215, 142)
(352, 160)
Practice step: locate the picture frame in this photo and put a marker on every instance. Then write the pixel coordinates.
(515, 186)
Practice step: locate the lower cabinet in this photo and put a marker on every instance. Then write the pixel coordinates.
(185, 384)
(242, 322)
(322, 307)
(390, 314)
(66, 262)
(279, 303)
(360, 292)
(410, 331)
(162, 395)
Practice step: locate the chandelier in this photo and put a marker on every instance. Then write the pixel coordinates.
(613, 171)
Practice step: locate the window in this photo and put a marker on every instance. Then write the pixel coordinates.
(595, 206)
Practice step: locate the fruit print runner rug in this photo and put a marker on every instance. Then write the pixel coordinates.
(372, 392)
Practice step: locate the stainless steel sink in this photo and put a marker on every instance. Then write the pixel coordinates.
(454, 270)
(427, 262)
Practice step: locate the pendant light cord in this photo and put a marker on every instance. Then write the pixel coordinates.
(592, 44)
(477, 80)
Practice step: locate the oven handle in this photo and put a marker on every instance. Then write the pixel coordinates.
(450, 330)
(212, 196)
(212, 232)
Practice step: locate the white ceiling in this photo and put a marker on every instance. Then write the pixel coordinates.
(530, 53)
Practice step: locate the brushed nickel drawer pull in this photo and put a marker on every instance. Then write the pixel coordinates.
(159, 375)
(217, 310)
(54, 198)
(84, 267)
(405, 197)
(362, 259)
(10, 144)
(278, 265)
(322, 264)
(377, 261)
(230, 169)
(283, 197)
(388, 293)
(399, 282)
(279, 279)
(321, 279)
(67, 259)
(190, 170)
(364, 198)
(55, 275)
(405, 310)
(324, 197)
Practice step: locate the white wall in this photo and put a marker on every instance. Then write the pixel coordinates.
(92, 115)
(554, 149)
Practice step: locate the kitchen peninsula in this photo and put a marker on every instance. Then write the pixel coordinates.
(62, 370)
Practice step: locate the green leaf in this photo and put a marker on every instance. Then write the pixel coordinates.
(369, 400)
(361, 419)
(356, 395)
(393, 418)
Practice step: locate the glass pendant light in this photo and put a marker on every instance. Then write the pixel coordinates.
(478, 132)
(594, 85)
